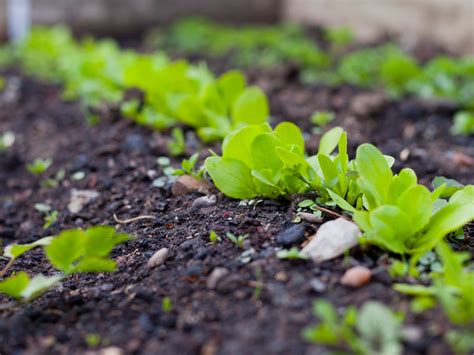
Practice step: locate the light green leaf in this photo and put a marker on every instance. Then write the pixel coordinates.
(38, 285)
(346, 206)
(416, 202)
(66, 249)
(263, 152)
(330, 140)
(251, 107)
(14, 285)
(458, 212)
(231, 85)
(95, 264)
(232, 177)
(375, 174)
(15, 250)
(237, 145)
(290, 134)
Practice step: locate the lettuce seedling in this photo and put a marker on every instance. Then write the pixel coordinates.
(259, 161)
(356, 331)
(403, 216)
(321, 118)
(463, 123)
(188, 167)
(452, 287)
(177, 144)
(39, 166)
(72, 251)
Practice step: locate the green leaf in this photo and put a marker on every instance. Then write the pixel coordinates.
(346, 206)
(375, 174)
(38, 285)
(330, 140)
(232, 177)
(251, 107)
(66, 249)
(101, 240)
(95, 264)
(379, 339)
(452, 185)
(263, 152)
(416, 202)
(458, 212)
(15, 250)
(231, 85)
(290, 134)
(414, 290)
(329, 170)
(400, 183)
(237, 145)
(14, 285)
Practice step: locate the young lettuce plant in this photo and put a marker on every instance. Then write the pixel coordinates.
(72, 251)
(259, 161)
(403, 216)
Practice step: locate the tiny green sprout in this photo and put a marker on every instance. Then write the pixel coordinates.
(258, 284)
(6, 140)
(398, 269)
(291, 254)
(188, 167)
(339, 36)
(321, 118)
(463, 123)
(177, 145)
(93, 339)
(2, 83)
(306, 203)
(168, 170)
(50, 216)
(39, 166)
(213, 237)
(54, 182)
(78, 176)
(237, 240)
(166, 305)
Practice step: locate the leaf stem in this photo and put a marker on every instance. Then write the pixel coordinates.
(7, 267)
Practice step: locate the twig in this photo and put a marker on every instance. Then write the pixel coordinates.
(131, 220)
(6, 268)
(331, 213)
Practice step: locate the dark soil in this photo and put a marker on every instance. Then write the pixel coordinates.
(263, 303)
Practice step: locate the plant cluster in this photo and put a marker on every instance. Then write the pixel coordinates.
(386, 66)
(173, 92)
(393, 210)
(71, 252)
(357, 332)
(261, 46)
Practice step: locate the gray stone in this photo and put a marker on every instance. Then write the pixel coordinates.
(332, 239)
(158, 258)
(290, 236)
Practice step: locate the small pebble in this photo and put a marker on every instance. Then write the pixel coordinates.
(290, 236)
(356, 276)
(215, 276)
(309, 217)
(158, 258)
(317, 285)
(204, 201)
(187, 184)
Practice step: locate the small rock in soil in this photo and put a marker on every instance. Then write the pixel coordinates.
(356, 276)
(317, 285)
(158, 258)
(111, 350)
(216, 275)
(412, 334)
(135, 142)
(367, 103)
(187, 184)
(291, 235)
(309, 217)
(332, 239)
(80, 198)
(204, 201)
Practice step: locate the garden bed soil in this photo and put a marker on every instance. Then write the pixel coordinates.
(262, 304)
